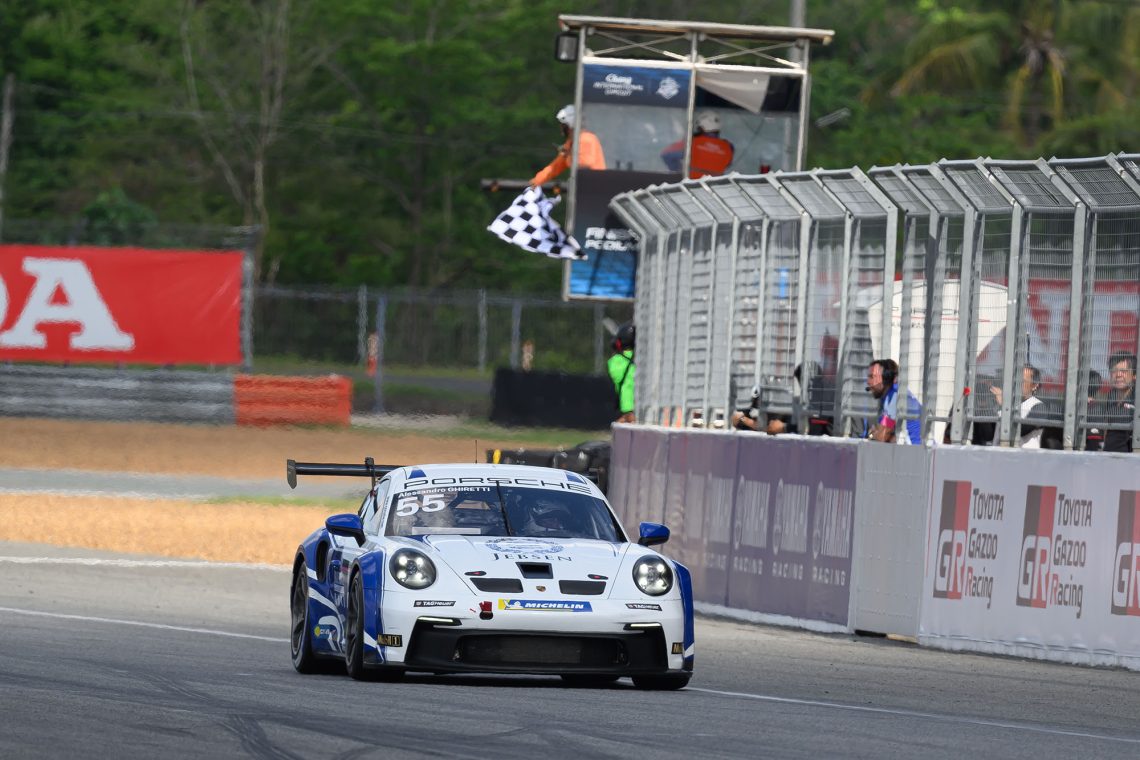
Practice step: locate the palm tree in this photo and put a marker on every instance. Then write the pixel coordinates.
(1026, 54)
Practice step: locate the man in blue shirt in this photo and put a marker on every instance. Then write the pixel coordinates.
(882, 382)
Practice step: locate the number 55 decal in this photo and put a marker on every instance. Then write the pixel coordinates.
(409, 505)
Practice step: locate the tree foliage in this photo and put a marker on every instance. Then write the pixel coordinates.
(355, 132)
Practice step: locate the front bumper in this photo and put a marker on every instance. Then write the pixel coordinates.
(450, 648)
(611, 639)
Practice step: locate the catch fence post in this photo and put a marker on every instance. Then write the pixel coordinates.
(381, 313)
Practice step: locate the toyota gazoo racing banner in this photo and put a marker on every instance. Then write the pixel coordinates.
(93, 305)
(1023, 561)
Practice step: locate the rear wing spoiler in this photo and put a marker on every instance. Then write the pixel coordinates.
(369, 469)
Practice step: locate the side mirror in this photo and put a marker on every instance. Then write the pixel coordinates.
(653, 534)
(349, 526)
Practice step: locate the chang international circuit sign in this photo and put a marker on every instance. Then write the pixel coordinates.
(642, 111)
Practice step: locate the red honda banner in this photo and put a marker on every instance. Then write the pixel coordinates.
(86, 304)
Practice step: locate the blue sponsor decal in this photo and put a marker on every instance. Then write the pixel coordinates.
(575, 478)
(685, 581)
(544, 605)
(635, 85)
(523, 546)
(416, 473)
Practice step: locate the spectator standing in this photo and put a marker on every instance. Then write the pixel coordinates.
(590, 155)
(1120, 403)
(1031, 433)
(882, 382)
(621, 369)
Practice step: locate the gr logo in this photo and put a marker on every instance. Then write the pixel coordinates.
(950, 575)
(1036, 544)
(1126, 566)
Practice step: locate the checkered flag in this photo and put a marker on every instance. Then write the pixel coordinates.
(527, 224)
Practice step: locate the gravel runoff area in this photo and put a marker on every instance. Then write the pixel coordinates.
(240, 531)
(216, 450)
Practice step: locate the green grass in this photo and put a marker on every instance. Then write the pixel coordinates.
(337, 505)
(396, 390)
(481, 430)
(283, 364)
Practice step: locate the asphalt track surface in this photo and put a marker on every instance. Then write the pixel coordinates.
(106, 655)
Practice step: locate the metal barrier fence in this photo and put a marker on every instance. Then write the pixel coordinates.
(968, 273)
(474, 330)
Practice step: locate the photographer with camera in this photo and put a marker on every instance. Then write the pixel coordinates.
(749, 419)
(820, 395)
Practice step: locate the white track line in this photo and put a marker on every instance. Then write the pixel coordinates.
(160, 626)
(915, 714)
(97, 561)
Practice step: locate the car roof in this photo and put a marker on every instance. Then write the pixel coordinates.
(530, 475)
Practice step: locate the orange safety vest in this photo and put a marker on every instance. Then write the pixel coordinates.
(711, 155)
(590, 156)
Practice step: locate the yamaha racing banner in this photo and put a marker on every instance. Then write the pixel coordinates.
(764, 524)
(85, 304)
(1028, 555)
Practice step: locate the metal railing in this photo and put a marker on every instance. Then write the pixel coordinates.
(969, 273)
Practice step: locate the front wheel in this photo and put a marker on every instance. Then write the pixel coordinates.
(300, 638)
(663, 682)
(354, 646)
(354, 631)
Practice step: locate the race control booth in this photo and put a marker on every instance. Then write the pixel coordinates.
(646, 89)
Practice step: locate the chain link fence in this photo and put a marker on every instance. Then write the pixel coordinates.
(471, 330)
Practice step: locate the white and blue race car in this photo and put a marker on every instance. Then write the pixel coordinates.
(464, 568)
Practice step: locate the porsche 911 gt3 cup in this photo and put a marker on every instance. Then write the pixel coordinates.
(488, 568)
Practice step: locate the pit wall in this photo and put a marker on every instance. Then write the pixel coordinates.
(1029, 553)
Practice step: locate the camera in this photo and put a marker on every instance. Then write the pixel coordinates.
(754, 407)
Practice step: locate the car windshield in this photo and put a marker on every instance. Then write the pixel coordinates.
(500, 511)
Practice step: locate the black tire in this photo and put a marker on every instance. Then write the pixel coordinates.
(354, 640)
(663, 682)
(354, 631)
(585, 681)
(301, 635)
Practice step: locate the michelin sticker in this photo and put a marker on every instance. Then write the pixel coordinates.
(543, 605)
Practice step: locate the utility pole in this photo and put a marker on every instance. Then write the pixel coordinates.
(799, 13)
(6, 117)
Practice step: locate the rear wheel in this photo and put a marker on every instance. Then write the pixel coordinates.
(663, 682)
(584, 681)
(304, 659)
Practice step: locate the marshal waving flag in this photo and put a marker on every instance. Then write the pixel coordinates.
(528, 225)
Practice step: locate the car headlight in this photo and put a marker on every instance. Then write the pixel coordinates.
(412, 569)
(653, 575)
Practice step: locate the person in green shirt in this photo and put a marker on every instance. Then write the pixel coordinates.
(621, 368)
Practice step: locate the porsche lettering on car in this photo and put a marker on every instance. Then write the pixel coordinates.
(485, 568)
